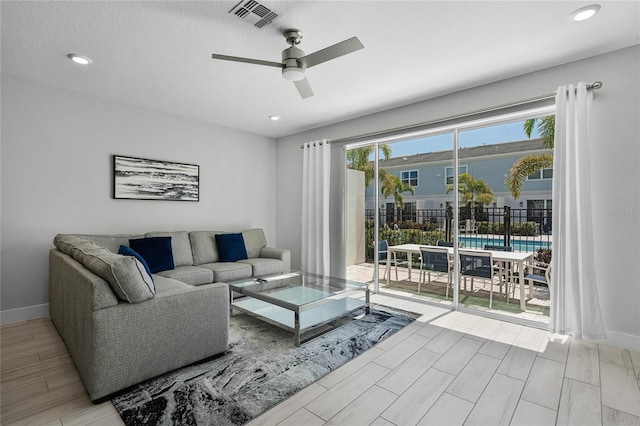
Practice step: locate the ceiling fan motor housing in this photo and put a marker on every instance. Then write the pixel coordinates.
(293, 68)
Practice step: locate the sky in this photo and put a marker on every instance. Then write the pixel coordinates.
(501, 133)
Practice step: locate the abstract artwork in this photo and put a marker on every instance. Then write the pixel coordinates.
(143, 179)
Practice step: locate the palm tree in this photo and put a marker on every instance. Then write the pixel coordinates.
(474, 191)
(393, 185)
(530, 164)
(546, 129)
(358, 159)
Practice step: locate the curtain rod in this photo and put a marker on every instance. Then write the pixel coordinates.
(594, 86)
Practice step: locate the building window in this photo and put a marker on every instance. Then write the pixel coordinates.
(448, 174)
(540, 212)
(535, 204)
(541, 174)
(408, 213)
(410, 177)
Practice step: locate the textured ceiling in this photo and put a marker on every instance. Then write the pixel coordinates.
(157, 54)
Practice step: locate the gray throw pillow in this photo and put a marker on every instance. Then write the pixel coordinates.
(125, 274)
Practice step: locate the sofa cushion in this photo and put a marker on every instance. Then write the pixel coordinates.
(180, 245)
(231, 247)
(169, 286)
(111, 242)
(263, 266)
(128, 251)
(192, 275)
(254, 241)
(125, 274)
(229, 271)
(157, 251)
(203, 246)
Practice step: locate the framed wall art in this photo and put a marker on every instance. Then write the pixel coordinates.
(143, 179)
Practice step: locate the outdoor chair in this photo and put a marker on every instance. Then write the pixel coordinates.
(537, 272)
(477, 264)
(435, 260)
(503, 268)
(444, 243)
(383, 253)
(498, 248)
(468, 227)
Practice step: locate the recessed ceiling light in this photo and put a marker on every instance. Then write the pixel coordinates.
(274, 117)
(79, 59)
(585, 12)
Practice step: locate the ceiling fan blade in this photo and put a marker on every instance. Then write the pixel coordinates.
(304, 88)
(247, 60)
(332, 52)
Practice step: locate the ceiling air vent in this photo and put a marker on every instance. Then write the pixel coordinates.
(255, 13)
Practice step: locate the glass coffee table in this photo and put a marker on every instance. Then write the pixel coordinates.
(298, 301)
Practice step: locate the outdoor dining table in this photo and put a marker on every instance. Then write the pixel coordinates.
(514, 257)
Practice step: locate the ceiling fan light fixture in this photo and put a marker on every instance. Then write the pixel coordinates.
(585, 13)
(293, 73)
(79, 59)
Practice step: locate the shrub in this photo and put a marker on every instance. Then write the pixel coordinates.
(490, 227)
(527, 229)
(430, 225)
(543, 255)
(401, 236)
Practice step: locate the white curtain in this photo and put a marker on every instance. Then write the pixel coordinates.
(316, 183)
(575, 306)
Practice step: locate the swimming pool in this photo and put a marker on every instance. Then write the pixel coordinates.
(518, 245)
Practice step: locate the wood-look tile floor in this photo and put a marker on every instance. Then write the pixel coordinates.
(39, 384)
(447, 368)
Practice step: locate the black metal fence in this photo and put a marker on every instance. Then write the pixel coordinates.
(528, 228)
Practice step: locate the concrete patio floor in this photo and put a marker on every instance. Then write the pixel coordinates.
(537, 308)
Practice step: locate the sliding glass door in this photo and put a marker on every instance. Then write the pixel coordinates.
(504, 209)
(452, 186)
(406, 204)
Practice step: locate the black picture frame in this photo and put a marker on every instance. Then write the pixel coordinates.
(145, 179)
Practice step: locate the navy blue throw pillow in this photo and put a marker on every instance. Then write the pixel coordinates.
(128, 251)
(156, 251)
(231, 247)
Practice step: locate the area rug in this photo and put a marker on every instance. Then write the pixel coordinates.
(261, 368)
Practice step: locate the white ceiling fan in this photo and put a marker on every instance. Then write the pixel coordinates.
(294, 61)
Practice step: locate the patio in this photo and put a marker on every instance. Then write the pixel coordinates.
(537, 308)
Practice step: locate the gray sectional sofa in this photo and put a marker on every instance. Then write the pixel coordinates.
(123, 326)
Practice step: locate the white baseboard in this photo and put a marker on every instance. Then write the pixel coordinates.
(622, 340)
(23, 314)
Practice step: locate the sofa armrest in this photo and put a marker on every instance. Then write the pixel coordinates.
(281, 254)
(135, 342)
(115, 344)
(68, 279)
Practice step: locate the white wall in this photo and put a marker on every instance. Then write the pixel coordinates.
(57, 177)
(616, 175)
